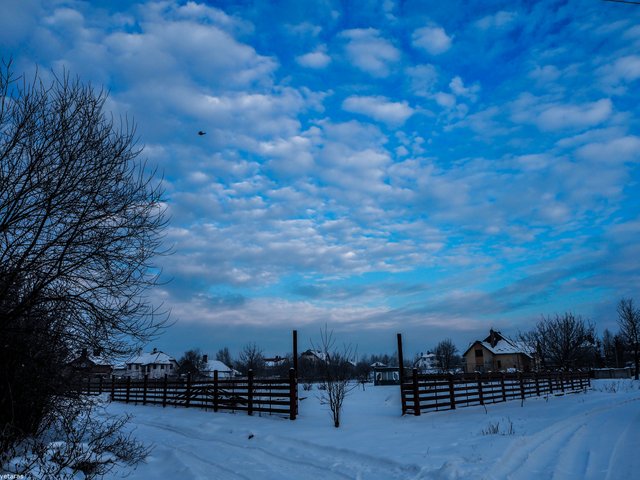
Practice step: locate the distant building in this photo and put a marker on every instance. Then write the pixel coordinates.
(155, 364)
(383, 375)
(210, 366)
(497, 353)
(88, 365)
(313, 356)
(427, 363)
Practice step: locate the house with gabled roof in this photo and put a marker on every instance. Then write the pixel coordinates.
(91, 365)
(155, 364)
(210, 366)
(498, 353)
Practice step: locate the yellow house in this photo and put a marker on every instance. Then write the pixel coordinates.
(497, 353)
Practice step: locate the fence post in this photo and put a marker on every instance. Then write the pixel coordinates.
(550, 382)
(293, 390)
(144, 388)
(215, 390)
(295, 351)
(250, 392)
(416, 393)
(165, 386)
(100, 386)
(188, 391)
(562, 381)
(295, 363)
(452, 393)
(128, 389)
(535, 376)
(113, 387)
(520, 377)
(88, 385)
(403, 397)
(480, 393)
(504, 390)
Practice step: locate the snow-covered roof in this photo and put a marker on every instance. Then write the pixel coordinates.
(156, 357)
(316, 353)
(503, 345)
(213, 365)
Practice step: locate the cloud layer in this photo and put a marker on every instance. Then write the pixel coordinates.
(433, 171)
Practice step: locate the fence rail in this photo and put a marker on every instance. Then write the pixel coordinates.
(423, 393)
(251, 395)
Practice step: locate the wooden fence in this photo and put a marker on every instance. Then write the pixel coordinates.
(249, 394)
(423, 393)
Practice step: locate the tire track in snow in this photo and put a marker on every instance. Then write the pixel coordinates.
(574, 448)
(279, 458)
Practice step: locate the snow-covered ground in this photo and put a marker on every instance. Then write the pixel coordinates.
(593, 435)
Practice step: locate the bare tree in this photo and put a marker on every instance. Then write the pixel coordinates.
(609, 348)
(192, 362)
(80, 222)
(224, 356)
(336, 370)
(629, 322)
(562, 342)
(445, 353)
(251, 358)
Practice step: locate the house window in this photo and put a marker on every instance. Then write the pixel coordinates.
(479, 353)
(137, 367)
(161, 367)
(155, 367)
(170, 367)
(499, 364)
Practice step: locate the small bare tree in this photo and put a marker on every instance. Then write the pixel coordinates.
(251, 358)
(629, 322)
(564, 341)
(336, 369)
(445, 353)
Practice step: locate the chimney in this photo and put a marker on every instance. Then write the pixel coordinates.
(493, 340)
(205, 358)
(155, 350)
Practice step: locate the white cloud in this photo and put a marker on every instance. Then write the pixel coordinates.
(316, 59)
(379, 108)
(623, 71)
(423, 79)
(457, 87)
(554, 116)
(370, 52)
(445, 100)
(432, 39)
(497, 20)
(621, 149)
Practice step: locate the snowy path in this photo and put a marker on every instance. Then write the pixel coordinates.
(583, 436)
(593, 445)
(258, 457)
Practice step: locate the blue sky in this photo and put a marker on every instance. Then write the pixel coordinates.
(431, 168)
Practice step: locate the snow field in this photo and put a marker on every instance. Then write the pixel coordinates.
(591, 435)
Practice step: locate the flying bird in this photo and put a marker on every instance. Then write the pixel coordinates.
(202, 133)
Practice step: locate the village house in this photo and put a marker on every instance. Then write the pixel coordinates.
(155, 364)
(426, 363)
(497, 353)
(210, 366)
(93, 366)
(313, 356)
